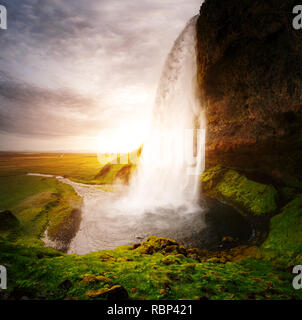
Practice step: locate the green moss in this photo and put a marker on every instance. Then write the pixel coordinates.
(247, 196)
(170, 260)
(293, 183)
(288, 193)
(211, 177)
(64, 214)
(285, 238)
(114, 173)
(38, 203)
(41, 272)
(158, 268)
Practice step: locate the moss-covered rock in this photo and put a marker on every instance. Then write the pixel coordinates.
(248, 196)
(288, 194)
(284, 241)
(114, 293)
(170, 260)
(90, 278)
(41, 273)
(162, 245)
(8, 220)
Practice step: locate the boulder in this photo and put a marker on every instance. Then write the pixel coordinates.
(159, 244)
(114, 293)
(8, 220)
(90, 278)
(247, 196)
(65, 284)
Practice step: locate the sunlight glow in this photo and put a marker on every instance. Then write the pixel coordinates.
(131, 97)
(124, 139)
(129, 132)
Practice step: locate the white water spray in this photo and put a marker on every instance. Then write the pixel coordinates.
(163, 198)
(168, 176)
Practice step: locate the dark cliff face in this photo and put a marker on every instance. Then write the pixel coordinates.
(250, 75)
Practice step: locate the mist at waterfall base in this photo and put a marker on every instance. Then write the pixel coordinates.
(168, 176)
(164, 197)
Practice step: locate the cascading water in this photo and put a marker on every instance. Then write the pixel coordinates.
(163, 198)
(168, 176)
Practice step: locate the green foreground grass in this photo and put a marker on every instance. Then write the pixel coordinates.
(157, 269)
(162, 273)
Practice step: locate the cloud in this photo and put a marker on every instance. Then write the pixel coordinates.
(64, 63)
(30, 110)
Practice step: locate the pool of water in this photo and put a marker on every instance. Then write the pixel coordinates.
(107, 223)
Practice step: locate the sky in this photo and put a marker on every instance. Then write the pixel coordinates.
(72, 70)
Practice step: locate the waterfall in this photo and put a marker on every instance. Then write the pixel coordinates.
(163, 197)
(173, 155)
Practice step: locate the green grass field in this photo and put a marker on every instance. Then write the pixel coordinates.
(156, 269)
(41, 203)
(84, 168)
(38, 203)
(75, 166)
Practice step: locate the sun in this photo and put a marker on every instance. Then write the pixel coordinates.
(123, 139)
(129, 129)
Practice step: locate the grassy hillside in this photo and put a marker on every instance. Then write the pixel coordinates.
(39, 203)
